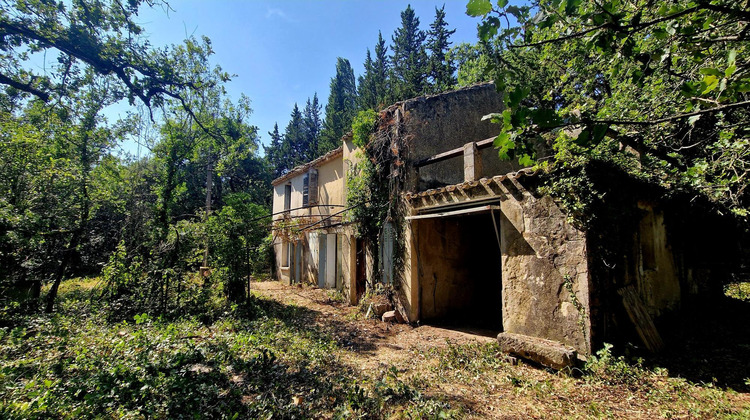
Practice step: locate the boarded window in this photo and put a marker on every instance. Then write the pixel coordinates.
(310, 188)
(313, 187)
(287, 196)
(306, 190)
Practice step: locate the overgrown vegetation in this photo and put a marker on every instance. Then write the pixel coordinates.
(252, 359)
(663, 89)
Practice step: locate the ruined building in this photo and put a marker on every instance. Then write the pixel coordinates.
(468, 239)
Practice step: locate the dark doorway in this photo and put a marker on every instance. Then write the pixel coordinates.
(361, 266)
(460, 271)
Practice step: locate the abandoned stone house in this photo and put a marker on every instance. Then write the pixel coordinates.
(478, 246)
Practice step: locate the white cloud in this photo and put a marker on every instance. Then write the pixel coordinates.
(275, 12)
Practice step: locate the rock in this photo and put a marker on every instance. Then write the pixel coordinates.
(389, 316)
(545, 352)
(400, 318)
(381, 307)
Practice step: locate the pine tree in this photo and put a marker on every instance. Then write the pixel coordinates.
(440, 69)
(340, 108)
(409, 59)
(313, 125)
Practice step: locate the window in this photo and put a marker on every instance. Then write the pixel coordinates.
(287, 196)
(310, 188)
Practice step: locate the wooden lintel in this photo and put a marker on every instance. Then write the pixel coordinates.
(454, 213)
(452, 153)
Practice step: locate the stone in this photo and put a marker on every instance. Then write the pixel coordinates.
(399, 317)
(381, 307)
(389, 316)
(548, 353)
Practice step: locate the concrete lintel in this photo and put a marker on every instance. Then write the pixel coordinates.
(545, 352)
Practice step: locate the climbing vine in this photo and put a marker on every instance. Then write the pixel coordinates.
(375, 181)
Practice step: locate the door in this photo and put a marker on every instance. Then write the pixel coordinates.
(322, 259)
(331, 262)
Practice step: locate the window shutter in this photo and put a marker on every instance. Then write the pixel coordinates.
(306, 190)
(313, 187)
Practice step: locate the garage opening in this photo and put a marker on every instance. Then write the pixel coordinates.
(460, 269)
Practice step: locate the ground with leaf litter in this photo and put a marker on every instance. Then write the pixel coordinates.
(464, 369)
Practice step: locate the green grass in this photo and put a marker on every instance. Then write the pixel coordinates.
(265, 359)
(261, 359)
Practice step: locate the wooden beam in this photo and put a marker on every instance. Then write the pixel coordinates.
(454, 213)
(452, 153)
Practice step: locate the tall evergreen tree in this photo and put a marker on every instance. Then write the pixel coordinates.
(340, 108)
(440, 69)
(275, 153)
(295, 141)
(366, 95)
(313, 126)
(381, 69)
(373, 86)
(409, 59)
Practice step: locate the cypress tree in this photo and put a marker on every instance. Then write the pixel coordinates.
(313, 125)
(409, 59)
(275, 153)
(440, 69)
(366, 95)
(341, 106)
(295, 142)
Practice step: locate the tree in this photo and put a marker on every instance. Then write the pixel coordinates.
(666, 86)
(98, 35)
(275, 153)
(441, 69)
(313, 126)
(374, 86)
(409, 58)
(472, 63)
(295, 140)
(366, 94)
(341, 106)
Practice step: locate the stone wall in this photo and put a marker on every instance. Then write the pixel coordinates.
(545, 273)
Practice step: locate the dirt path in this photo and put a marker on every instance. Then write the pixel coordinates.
(371, 341)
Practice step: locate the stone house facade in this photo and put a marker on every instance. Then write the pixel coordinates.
(478, 246)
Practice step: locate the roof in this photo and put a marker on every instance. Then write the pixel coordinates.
(471, 184)
(298, 170)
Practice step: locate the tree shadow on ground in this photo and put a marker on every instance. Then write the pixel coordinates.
(347, 335)
(710, 345)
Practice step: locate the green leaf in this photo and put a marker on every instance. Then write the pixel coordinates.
(711, 82)
(693, 119)
(516, 95)
(477, 8)
(598, 132)
(526, 160)
(711, 72)
(502, 3)
(731, 57)
(545, 118)
(730, 71)
(571, 6)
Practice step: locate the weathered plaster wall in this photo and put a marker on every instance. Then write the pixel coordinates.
(545, 273)
(435, 124)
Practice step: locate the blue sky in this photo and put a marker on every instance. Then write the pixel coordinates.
(283, 52)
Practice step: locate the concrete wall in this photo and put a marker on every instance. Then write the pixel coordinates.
(435, 124)
(545, 273)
